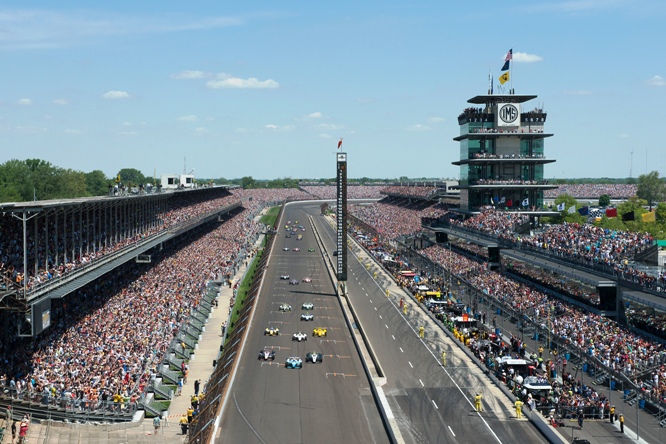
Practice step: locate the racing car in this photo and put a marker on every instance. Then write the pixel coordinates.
(307, 279)
(300, 336)
(297, 249)
(284, 277)
(267, 354)
(319, 332)
(272, 331)
(307, 317)
(314, 357)
(307, 306)
(288, 236)
(311, 250)
(293, 282)
(293, 362)
(285, 307)
(285, 249)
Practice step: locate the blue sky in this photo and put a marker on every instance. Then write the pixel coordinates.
(268, 88)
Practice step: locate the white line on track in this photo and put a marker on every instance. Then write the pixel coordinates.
(375, 308)
(386, 326)
(410, 364)
(451, 430)
(393, 337)
(371, 301)
(422, 383)
(433, 403)
(380, 317)
(401, 350)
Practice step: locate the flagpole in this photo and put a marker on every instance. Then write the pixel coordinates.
(511, 70)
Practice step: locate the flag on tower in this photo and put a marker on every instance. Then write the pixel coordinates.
(504, 78)
(340, 143)
(507, 60)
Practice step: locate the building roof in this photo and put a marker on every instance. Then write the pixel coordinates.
(501, 98)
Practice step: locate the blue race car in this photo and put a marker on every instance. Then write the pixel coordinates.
(293, 362)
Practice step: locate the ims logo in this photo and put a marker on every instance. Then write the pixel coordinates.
(508, 113)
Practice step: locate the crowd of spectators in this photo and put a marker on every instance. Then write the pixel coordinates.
(73, 244)
(495, 223)
(107, 338)
(416, 191)
(392, 219)
(353, 191)
(507, 182)
(615, 346)
(522, 129)
(594, 190)
(484, 155)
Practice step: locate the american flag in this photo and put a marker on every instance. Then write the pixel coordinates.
(509, 55)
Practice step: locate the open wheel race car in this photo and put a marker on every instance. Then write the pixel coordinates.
(319, 332)
(272, 331)
(307, 306)
(314, 357)
(284, 277)
(300, 336)
(307, 317)
(285, 307)
(311, 250)
(307, 279)
(267, 354)
(293, 282)
(293, 362)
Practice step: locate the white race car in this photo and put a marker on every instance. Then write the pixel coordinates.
(307, 317)
(307, 306)
(297, 249)
(285, 249)
(307, 279)
(300, 336)
(284, 277)
(285, 307)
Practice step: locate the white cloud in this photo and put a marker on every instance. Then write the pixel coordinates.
(523, 57)
(24, 102)
(60, 102)
(201, 130)
(316, 115)
(274, 127)
(190, 118)
(418, 127)
(324, 136)
(115, 95)
(43, 28)
(656, 81)
(72, 131)
(329, 126)
(226, 81)
(579, 92)
(188, 74)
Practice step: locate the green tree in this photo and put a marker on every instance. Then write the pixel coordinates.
(97, 184)
(131, 176)
(604, 200)
(248, 182)
(15, 181)
(651, 188)
(661, 212)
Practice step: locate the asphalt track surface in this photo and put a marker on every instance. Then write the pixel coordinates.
(431, 404)
(327, 402)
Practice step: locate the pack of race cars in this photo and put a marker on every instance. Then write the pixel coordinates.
(268, 353)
